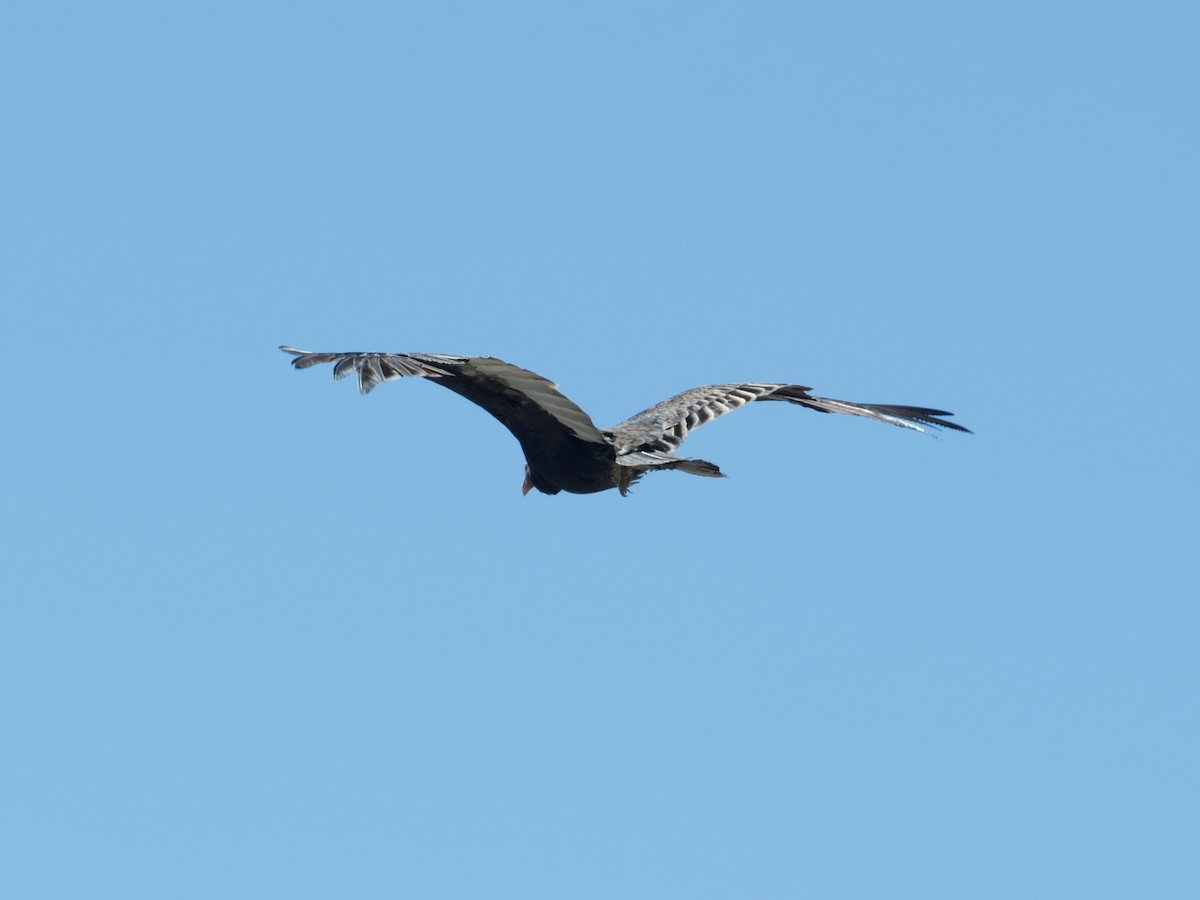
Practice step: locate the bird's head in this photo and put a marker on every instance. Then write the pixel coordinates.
(534, 480)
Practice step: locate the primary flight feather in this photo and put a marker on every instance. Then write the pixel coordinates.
(564, 450)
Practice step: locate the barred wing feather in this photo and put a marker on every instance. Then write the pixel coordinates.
(666, 425)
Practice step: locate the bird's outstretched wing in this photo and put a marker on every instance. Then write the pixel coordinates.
(552, 430)
(664, 426)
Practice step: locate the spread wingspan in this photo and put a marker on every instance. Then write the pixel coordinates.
(563, 448)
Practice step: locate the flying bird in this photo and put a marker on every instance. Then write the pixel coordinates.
(564, 450)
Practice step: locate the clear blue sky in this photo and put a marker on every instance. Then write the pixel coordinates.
(263, 637)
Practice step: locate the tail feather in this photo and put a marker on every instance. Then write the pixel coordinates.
(650, 460)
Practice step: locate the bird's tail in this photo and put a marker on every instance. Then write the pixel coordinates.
(650, 460)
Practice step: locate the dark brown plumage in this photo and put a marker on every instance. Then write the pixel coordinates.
(564, 450)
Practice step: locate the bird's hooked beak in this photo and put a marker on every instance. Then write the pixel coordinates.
(527, 485)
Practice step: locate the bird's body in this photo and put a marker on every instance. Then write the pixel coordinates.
(564, 450)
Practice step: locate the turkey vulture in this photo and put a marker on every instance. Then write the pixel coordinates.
(564, 450)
